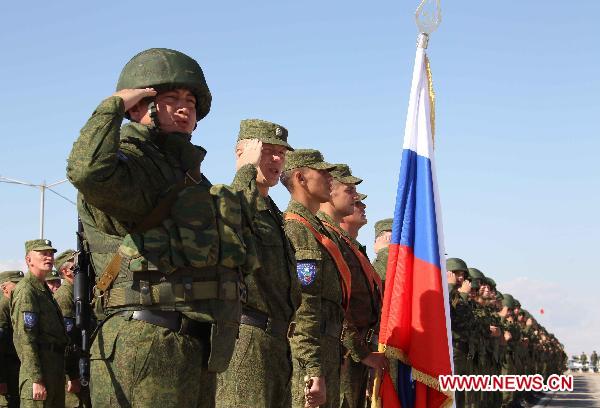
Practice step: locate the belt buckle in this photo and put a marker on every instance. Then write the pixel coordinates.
(291, 330)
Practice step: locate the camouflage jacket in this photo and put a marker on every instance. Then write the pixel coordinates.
(122, 175)
(37, 321)
(274, 288)
(321, 292)
(64, 299)
(363, 311)
(7, 348)
(380, 263)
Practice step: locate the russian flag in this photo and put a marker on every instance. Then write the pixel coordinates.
(415, 321)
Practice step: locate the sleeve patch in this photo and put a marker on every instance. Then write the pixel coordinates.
(69, 323)
(307, 271)
(30, 319)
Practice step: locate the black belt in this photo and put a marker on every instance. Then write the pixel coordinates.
(174, 321)
(55, 348)
(279, 328)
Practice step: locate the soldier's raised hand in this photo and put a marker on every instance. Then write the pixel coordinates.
(133, 96)
(451, 277)
(465, 287)
(249, 153)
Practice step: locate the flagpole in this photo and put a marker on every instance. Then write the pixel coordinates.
(428, 17)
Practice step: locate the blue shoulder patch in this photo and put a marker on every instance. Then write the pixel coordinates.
(30, 319)
(69, 323)
(307, 271)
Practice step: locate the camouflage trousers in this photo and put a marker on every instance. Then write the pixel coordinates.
(259, 374)
(460, 368)
(136, 364)
(330, 365)
(78, 400)
(53, 369)
(354, 379)
(11, 368)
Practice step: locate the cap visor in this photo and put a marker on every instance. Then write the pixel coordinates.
(278, 142)
(349, 180)
(321, 166)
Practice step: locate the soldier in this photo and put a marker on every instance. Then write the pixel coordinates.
(76, 395)
(53, 280)
(260, 371)
(583, 359)
(9, 361)
(461, 316)
(362, 316)
(325, 281)
(39, 332)
(167, 247)
(383, 236)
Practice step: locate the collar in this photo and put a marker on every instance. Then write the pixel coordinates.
(297, 208)
(34, 282)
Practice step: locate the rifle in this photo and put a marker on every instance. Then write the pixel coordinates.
(83, 274)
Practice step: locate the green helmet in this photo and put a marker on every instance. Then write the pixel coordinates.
(508, 301)
(475, 273)
(163, 69)
(456, 264)
(491, 283)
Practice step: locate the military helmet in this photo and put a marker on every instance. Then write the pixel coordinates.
(456, 264)
(508, 301)
(164, 69)
(475, 273)
(490, 282)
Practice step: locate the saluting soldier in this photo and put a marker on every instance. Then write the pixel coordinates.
(383, 237)
(260, 371)
(168, 247)
(325, 281)
(9, 361)
(39, 333)
(365, 300)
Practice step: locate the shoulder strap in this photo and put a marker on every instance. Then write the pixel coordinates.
(367, 269)
(335, 253)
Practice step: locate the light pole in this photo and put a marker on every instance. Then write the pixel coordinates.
(43, 187)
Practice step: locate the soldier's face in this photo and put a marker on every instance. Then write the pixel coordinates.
(41, 261)
(343, 197)
(460, 277)
(359, 216)
(176, 111)
(318, 184)
(272, 160)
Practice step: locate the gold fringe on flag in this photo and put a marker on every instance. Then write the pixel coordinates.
(431, 382)
(431, 99)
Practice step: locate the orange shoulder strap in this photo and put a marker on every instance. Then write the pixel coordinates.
(368, 270)
(336, 254)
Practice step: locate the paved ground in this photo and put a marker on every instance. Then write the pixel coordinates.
(586, 393)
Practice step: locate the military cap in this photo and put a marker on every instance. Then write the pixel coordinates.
(343, 174)
(267, 132)
(361, 197)
(383, 225)
(508, 301)
(38, 245)
(306, 158)
(11, 276)
(63, 257)
(490, 282)
(456, 264)
(53, 275)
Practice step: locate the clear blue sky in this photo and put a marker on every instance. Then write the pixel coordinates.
(517, 135)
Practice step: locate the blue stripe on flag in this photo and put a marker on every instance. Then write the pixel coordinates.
(415, 222)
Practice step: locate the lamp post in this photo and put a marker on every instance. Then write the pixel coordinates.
(43, 187)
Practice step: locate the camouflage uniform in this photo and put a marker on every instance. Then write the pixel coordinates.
(9, 361)
(363, 313)
(316, 348)
(65, 300)
(177, 241)
(260, 371)
(39, 337)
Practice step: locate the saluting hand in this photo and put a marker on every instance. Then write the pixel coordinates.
(132, 96)
(465, 287)
(249, 154)
(39, 392)
(451, 277)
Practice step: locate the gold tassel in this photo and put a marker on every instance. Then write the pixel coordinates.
(431, 99)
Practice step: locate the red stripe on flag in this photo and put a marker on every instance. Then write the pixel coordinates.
(413, 316)
(389, 397)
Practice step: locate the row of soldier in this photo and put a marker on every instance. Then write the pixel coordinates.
(492, 334)
(207, 295)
